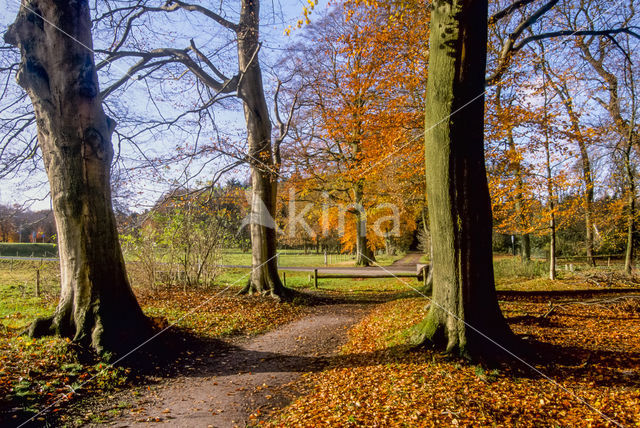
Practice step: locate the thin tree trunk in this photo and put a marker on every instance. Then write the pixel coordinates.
(588, 208)
(631, 210)
(552, 245)
(525, 240)
(264, 174)
(552, 220)
(516, 167)
(97, 307)
(631, 134)
(587, 174)
(464, 310)
(588, 180)
(547, 149)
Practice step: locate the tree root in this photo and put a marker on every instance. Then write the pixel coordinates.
(40, 327)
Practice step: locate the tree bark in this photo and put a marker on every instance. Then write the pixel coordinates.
(624, 127)
(631, 211)
(587, 175)
(364, 255)
(550, 192)
(264, 170)
(97, 307)
(464, 315)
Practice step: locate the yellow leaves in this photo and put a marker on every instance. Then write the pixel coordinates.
(304, 20)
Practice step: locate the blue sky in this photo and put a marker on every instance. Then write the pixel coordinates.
(276, 16)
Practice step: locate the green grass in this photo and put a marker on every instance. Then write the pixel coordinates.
(18, 304)
(28, 250)
(237, 278)
(294, 258)
(513, 268)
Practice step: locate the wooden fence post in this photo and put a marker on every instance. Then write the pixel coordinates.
(315, 277)
(37, 282)
(284, 279)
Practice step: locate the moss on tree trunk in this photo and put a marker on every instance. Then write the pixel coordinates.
(464, 310)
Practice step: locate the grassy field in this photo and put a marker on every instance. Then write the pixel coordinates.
(294, 258)
(19, 304)
(18, 301)
(28, 250)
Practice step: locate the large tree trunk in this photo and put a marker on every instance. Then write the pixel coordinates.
(97, 306)
(264, 172)
(364, 255)
(464, 311)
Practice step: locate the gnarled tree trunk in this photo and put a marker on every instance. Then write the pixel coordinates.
(264, 171)
(464, 308)
(97, 306)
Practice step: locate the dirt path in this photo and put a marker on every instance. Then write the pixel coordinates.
(409, 259)
(225, 389)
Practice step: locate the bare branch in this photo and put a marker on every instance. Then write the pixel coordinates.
(508, 10)
(553, 34)
(175, 55)
(172, 5)
(507, 48)
(206, 60)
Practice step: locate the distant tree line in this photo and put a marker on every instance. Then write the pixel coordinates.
(23, 225)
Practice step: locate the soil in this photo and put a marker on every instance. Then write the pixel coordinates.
(225, 382)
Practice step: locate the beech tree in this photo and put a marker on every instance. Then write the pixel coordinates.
(214, 84)
(358, 133)
(97, 307)
(577, 135)
(597, 52)
(464, 308)
(509, 175)
(340, 88)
